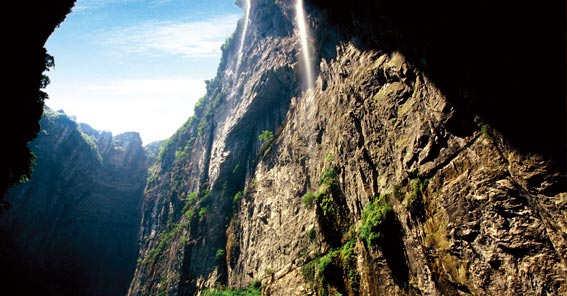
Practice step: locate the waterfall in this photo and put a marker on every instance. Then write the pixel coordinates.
(304, 36)
(247, 6)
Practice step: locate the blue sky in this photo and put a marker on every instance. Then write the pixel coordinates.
(137, 65)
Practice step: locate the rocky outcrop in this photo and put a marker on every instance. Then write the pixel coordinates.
(26, 60)
(463, 219)
(72, 229)
(395, 175)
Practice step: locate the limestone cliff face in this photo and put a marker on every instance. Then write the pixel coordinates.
(73, 227)
(386, 178)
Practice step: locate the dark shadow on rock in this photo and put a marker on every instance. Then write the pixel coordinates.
(392, 245)
(333, 275)
(503, 62)
(25, 62)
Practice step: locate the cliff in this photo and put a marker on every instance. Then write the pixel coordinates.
(72, 229)
(410, 168)
(26, 60)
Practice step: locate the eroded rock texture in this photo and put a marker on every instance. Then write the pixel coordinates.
(399, 173)
(73, 228)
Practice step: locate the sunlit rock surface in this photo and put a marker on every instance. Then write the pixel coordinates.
(404, 117)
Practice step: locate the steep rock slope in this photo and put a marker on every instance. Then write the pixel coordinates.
(26, 62)
(391, 176)
(189, 196)
(73, 227)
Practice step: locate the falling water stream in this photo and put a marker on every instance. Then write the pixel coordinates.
(243, 37)
(304, 36)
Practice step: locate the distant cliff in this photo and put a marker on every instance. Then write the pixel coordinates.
(408, 169)
(73, 228)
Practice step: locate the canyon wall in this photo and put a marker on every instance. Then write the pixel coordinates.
(410, 168)
(73, 228)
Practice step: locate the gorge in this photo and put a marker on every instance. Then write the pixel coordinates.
(388, 153)
(72, 229)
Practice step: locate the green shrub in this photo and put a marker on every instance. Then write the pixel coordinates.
(237, 197)
(200, 105)
(324, 262)
(309, 199)
(163, 148)
(201, 127)
(486, 130)
(347, 251)
(322, 195)
(202, 213)
(418, 187)
(190, 202)
(308, 271)
(349, 265)
(328, 177)
(165, 237)
(373, 215)
(255, 289)
(180, 154)
(342, 258)
(328, 205)
(266, 136)
(415, 197)
(192, 197)
(219, 255)
(189, 214)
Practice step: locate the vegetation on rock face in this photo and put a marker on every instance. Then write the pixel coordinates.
(336, 264)
(322, 195)
(309, 199)
(373, 215)
(192, 197)
(165, 239)
(414, 201)
(219, 256)
(255, 289)
(328, 205)
(27, 60)
(202, 213)
(374, 142)
(267, 139)
(20, 161)
(328, 177)
(80, 202)
(237, 197)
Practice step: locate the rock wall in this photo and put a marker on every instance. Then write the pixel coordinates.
(72, 229)
(25, 60)
(399, 173)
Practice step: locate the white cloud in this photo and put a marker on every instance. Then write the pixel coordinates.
(147, 87)
(201, 39)
(84, 5)
(154, 107)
